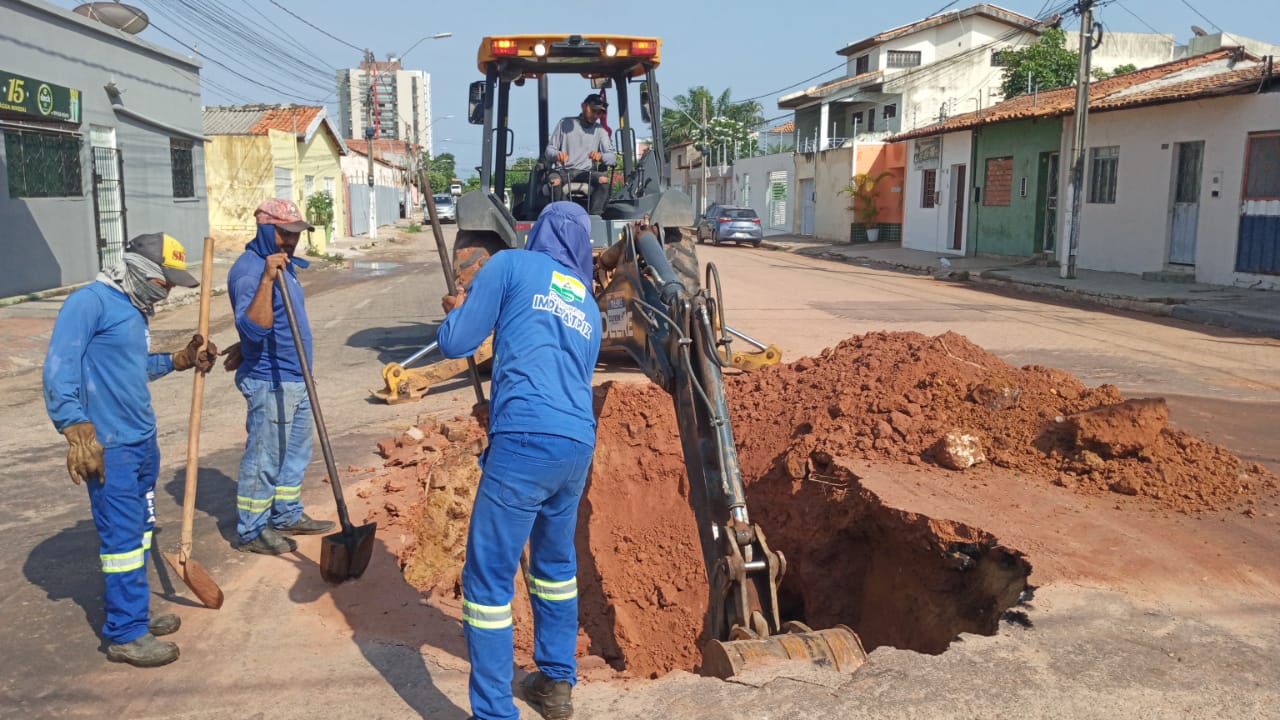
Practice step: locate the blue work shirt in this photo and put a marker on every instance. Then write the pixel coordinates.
(98, 366)
(546, 328)
(267, 353)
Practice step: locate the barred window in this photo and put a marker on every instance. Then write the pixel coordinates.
(1262, 168)
(43, 165)
(890, 111)
(903, 58)
(862, 65)
(1104, 167)
(929, 188)
(184, 175)
(997, 58)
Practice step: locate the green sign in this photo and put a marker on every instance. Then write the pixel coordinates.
(38, 99)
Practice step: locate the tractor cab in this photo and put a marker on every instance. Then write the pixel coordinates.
(564, 68)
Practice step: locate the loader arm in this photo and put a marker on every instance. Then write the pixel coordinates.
(670, 332)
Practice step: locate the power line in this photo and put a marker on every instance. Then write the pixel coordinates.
(828, 71)
(1135, 15)
(242, 76)
(1202, 17)
(317, 28)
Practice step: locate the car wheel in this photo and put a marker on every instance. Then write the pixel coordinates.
(755, 243)
(715, 237)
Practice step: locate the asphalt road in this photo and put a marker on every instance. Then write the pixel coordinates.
(283, 647)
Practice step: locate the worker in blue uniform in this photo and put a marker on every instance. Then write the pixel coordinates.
(538, 304)
(95, 389)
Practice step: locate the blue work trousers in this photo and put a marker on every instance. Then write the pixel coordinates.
(124, 511)
(276, 455)
(529, 491)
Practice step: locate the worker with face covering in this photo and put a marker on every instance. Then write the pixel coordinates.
(538, 304)
(95, 389)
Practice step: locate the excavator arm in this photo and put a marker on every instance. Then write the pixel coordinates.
(672, 336)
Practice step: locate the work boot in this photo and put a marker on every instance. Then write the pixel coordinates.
(269, 542)
(306, 526)
(166, 624)
(144, 651)
(552, 698)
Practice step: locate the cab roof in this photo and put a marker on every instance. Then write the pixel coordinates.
(587, 55)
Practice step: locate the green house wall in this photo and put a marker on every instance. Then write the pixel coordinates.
(1018, 228)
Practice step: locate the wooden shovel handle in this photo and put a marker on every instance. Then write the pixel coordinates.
(197, 400)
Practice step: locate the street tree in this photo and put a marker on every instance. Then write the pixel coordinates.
(1100, 74)
(1047, 62)
(440, 170)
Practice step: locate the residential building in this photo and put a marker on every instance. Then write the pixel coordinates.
(402, 101)
(101, 143)
(259, 151)
(1180, 177)
(912, 76)
(685, 170)
(390, 176)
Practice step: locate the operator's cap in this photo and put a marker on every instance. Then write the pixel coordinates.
(594, 100)
(283, 213)
(165, 251)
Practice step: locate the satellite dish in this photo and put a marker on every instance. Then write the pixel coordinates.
(1199, 31)
(118, 15)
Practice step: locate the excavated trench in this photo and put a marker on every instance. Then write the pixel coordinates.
(896, 577)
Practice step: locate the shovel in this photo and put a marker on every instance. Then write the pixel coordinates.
(345, 554)
(191, 571)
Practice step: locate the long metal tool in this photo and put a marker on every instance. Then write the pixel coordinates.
(449, 278)
(344, 554)
(196, 577)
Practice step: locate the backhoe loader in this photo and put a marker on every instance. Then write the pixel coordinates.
(655, 311)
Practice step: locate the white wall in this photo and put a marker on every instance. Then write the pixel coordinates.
(1120, 48)
(930, 229)
(753, 175)
(1132, 235)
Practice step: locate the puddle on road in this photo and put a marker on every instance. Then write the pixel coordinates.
(366, 268)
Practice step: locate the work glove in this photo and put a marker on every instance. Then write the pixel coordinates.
(192, 356)
(233, 358)
(84, 453)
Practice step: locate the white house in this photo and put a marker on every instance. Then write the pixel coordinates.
(1183, 175)
(914, 75)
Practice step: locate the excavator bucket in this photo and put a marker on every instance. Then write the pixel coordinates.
(836, 648)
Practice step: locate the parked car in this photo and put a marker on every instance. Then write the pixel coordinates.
(445, 209)
(728, 222)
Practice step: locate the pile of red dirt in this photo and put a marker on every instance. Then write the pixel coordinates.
(896, 577)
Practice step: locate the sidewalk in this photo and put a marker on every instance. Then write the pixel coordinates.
(1256, 312)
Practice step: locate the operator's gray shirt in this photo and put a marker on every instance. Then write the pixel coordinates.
(576, 138)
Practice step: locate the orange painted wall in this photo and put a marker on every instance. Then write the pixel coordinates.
(876, 158)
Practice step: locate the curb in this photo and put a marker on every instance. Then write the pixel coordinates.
(1227, 319)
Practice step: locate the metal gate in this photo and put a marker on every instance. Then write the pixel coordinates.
(808, 203)
(1258, 249)
(777, 201)
(109, 212)
(1189, 160)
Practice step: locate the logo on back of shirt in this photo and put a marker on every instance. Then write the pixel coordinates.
(564, 290)
(569, 288)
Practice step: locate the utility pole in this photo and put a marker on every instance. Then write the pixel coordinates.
(1067, 266)
(370, 99)
(703, 151)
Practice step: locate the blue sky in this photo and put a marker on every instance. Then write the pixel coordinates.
(752, 47)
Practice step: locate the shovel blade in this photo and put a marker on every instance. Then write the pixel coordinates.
(197, 579)
(344, 555)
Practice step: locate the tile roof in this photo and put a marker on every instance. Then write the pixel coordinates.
(988, 10)
(801, 97)
(386, 150)
(786, 127)
(231, 119)
(1221, 72)
(288, 118)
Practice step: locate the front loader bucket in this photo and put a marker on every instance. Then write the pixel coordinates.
(836, 648)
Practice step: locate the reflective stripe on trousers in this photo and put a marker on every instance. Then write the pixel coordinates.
(553, 590)
(489, 617)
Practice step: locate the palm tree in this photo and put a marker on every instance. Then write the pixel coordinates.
(684, 122)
